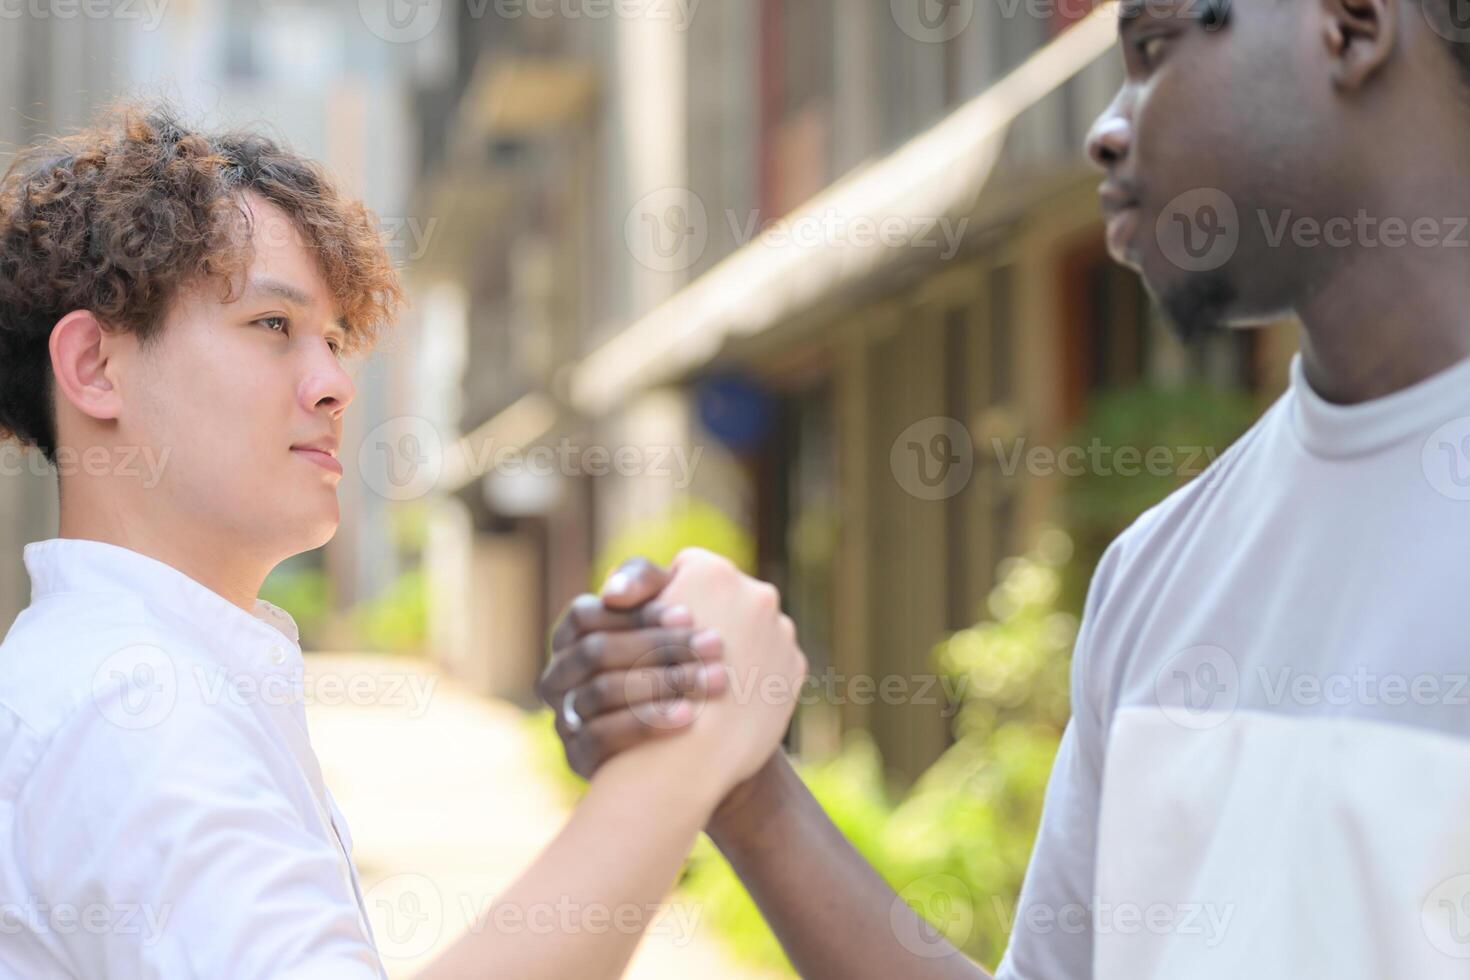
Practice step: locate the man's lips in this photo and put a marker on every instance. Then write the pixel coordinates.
(1120, 210)
(325, 460)
(1122, 225)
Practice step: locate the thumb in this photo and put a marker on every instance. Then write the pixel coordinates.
(634, 583)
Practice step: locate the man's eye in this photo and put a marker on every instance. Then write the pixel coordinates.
(267, 321)
(1150, 48)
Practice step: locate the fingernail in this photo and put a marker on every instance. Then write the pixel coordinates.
(617, 583)
(676, 616)
(701, 678)
(707, 643)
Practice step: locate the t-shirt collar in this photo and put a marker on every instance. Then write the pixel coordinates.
(1330, 429)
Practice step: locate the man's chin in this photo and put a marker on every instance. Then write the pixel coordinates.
(1195, 304)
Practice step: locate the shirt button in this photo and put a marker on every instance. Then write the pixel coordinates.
(278, 656)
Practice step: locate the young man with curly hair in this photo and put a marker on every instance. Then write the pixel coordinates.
(162, 813)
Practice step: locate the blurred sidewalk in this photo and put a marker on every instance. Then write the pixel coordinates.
(446, 805)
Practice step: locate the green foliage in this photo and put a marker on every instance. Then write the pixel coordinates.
(957, 845)
(546, 748)
(695, 524)
(1192, 424)
(305, 593)
(396, 621)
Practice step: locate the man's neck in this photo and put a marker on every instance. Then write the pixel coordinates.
(1386, 319)
(238, 582)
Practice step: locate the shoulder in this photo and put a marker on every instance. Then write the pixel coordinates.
(1129, 571)
(103, 669)
(1139, 546)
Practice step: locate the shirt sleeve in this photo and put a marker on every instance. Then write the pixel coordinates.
(177, 852)
(1051, 937)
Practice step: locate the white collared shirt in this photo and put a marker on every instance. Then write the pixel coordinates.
(162, 813)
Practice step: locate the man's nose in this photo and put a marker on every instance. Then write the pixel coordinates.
(1109, 139)
(328, 383)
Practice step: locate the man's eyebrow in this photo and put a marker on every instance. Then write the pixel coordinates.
(287, 292)
(283, 290)
(1128, 13)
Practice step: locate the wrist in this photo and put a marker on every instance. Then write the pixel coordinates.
(747, 807)
(666, 777)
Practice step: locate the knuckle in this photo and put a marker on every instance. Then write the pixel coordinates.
(600, 694)
(767, 596)
(637, 566)
(668, 652)
(582, 610)
(592, 651)
(706, 560)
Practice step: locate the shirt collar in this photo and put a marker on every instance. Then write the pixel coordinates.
(79, 565)
(1333, 430)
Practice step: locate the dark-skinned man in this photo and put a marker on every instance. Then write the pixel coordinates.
(1265, 774)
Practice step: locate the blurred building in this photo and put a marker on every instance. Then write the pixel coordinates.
(831, 251)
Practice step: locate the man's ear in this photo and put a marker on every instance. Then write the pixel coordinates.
(1359, 35)
(80, 347)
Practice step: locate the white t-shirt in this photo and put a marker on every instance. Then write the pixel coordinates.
(1267, 772)
(162, 813)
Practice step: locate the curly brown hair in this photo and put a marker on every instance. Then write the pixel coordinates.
(119, 217)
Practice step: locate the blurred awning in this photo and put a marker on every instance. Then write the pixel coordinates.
(518, 425)
(938, 176)
(518, 97)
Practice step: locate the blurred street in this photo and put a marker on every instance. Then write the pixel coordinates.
(446, 805)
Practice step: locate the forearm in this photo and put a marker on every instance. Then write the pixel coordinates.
(834, 915)
(615, 860)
